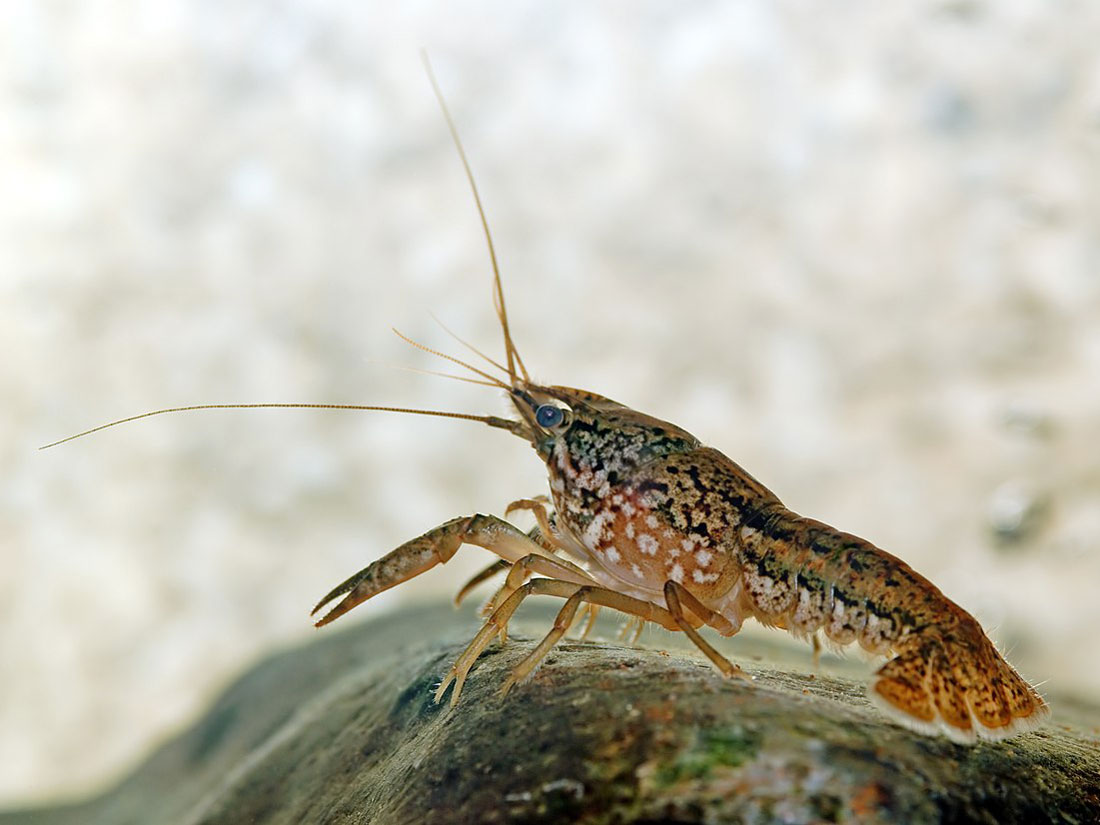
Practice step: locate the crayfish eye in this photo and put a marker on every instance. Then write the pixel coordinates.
(548, 416)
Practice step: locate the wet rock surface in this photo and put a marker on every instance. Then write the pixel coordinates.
(344, 730)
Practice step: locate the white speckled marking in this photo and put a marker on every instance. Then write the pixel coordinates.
(676, 573)
(647, 544)
(598, 530)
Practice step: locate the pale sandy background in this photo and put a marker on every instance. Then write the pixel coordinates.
(854, 245)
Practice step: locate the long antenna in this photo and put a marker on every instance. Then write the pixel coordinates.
(514, 360)
(498, 291)
(491, 420)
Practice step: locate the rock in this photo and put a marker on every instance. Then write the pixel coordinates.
(344, 730)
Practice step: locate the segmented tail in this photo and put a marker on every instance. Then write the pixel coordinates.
(954, 681)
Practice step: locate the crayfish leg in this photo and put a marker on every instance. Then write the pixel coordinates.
(598, 596)
(677, 597)
(499, 566)
(494, 625)
(421, 554)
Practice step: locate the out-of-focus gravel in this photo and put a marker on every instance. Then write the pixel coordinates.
(855, 246)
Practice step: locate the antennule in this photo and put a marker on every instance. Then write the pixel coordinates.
(467, 344)
(495, 381)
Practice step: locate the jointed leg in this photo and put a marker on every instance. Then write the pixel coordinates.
(674, 618)
(436, 546)
(631, 630)
(499, 566)
(520, 572)
(494, 625)
(591, 611)
(575, 595)
(677, 597)
(599, 596)
(537, 506)
(536, 534)
(555, 568)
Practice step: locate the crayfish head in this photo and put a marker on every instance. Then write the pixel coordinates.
(590, 443)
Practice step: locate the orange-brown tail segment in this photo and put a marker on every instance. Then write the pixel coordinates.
(953, 681)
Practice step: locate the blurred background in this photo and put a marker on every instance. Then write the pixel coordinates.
(853, 245)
